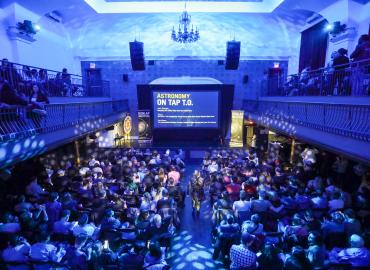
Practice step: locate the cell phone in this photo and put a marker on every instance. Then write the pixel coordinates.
(106, 244)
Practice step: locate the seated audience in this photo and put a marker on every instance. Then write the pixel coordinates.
(154, 259)
(356, 255)
(117, 203)
(17, 253)
(63, 226)
(44, 254)
(241, 256)
(270, 259)
(297, 260)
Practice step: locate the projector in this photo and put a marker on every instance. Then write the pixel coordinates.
(24, 31)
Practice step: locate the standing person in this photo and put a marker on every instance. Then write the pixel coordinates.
(66, 80)
(196, 191)
(340, 63)
(362, 50)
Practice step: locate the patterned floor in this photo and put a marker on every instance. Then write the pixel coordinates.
(191, 247)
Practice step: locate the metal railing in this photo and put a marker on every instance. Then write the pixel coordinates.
(53, 83)
(19, 122)
(351, 79)
(341, 119)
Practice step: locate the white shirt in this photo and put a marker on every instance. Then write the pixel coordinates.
(336, 204)
(87, 230)
(17, 254)
(242, 206)
(63, 227)
(213, 168)
(10, 227)
(93, 162)
(44, 252)
(34, 189)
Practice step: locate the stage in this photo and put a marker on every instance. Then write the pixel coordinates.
(192, 150)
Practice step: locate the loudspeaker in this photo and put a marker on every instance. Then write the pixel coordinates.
(109, 128)
(92, 136)
(125, 77)
(245, 79)
(137, 55)
(151, 63)
(232, 55)
(220, 62)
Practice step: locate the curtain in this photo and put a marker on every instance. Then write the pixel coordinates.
(314, 42)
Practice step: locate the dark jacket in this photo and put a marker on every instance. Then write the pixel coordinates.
(361, 52)
(40, 97)
(341, 62)
(9, 96)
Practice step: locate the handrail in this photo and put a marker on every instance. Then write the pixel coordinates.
(19, 122)
(38, 68)
(351, 63)
(54, 83)
(352, 79)
(349, 120)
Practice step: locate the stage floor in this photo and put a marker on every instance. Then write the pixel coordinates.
(192, 149)
(170, 144)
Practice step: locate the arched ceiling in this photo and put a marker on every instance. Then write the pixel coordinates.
(267, 32)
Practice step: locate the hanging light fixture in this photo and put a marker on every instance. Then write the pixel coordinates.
(184, 35)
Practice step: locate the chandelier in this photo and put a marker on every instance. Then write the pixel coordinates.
(183, 35)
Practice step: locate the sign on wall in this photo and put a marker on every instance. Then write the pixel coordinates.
(237, 120)
(127, 126)
(144, 125)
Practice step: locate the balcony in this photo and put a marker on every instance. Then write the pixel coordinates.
(343, 80)
(24, 134)
(340, 125)
(53, 83)
(328, 107)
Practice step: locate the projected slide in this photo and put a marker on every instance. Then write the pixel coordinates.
(180, 109)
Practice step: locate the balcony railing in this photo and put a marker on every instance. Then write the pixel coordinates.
(53, 83)
(341, 119)
(19, 122)
(343, 80)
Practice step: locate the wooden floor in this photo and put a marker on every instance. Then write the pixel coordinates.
(191, 247)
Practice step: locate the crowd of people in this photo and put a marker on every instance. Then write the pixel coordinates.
(341, 77)
(22, 79)
(270, 216)
(119, 209)
(116, 210)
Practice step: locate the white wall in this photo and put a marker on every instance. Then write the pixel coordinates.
(7, 47)
(52, 48)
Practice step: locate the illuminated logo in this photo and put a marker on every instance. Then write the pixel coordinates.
(127, 125)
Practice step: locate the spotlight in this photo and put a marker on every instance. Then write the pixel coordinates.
(336, 28)
(37, 27)
(329, 27)
(276, 65)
